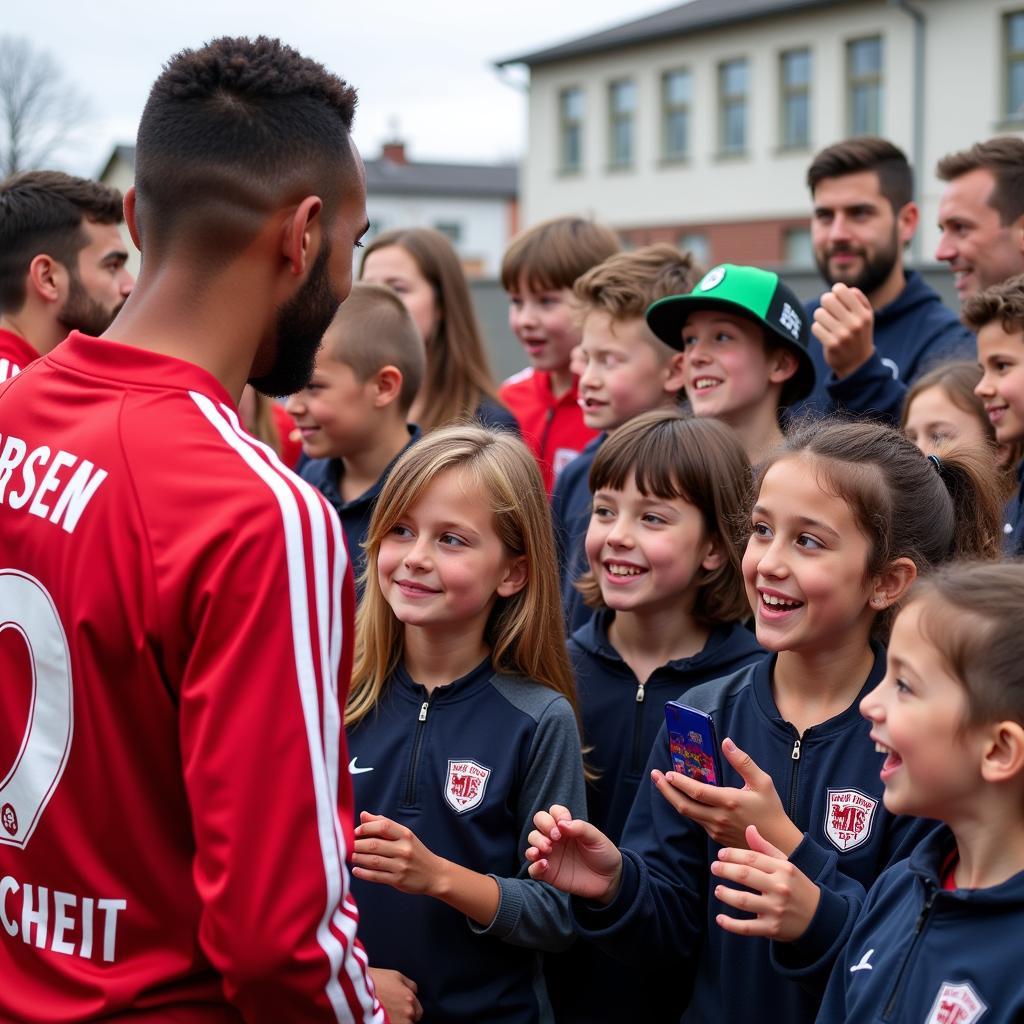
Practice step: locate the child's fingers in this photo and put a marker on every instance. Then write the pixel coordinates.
(758, 843)
(743, 926)
(742, 874)
(380, 877)
(367, 816)
(538, 869)
(380, 826)
(539, 841)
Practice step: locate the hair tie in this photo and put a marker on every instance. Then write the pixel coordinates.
(936, 462)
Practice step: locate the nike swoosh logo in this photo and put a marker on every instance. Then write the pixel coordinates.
(863, 965)
(353, 770)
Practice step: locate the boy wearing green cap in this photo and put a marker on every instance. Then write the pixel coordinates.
(745, 336)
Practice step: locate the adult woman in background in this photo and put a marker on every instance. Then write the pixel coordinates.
(423, 268)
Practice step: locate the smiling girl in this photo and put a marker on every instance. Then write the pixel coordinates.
(462, 725)
(665, 578)
(845, 517)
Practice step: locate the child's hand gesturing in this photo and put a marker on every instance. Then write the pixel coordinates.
(573, 856)
(387, 852)
(725, 812)
(785, 898)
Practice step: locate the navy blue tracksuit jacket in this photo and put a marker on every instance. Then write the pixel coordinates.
(828, 780)
(919, 953)
(621, 720)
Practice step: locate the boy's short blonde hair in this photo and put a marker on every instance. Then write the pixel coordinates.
(1002, 302)
(624, 285)
(552, 254)
(373, 329)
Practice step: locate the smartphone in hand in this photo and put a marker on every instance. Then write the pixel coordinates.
(692, 743)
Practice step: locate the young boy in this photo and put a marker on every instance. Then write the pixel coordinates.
(352, 414)
(997, 316)
(538, 272)
(745, 335)
(627, 371)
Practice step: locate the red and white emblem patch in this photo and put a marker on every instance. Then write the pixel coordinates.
(848, 817)
(956, 1003)
(465, 786)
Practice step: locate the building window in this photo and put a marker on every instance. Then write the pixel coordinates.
(696, 243)
(795, 90)
(451, 229)
(796, 247)
(676, 97)
(570, 129)
(732, 102)
(864, 85)
(1013, 31)
(621, 118)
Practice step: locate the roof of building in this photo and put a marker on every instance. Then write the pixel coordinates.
(389, 177)
(478, 181)
(695, 16)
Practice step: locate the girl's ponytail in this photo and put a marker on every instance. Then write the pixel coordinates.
(971, 478)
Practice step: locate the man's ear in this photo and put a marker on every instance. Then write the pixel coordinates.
(302, 235)
(906, 223)
(515, 578)
(387, 384)
(889, 586)
(129, 216)
(782, 364)
(47, 278)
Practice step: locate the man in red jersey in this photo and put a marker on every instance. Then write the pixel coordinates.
(62, 263)
(175, 605)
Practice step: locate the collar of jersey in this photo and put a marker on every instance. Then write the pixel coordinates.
(116, 361)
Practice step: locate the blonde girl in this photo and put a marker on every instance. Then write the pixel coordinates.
(462, 724)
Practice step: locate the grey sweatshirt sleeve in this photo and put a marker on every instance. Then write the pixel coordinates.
(531, 913)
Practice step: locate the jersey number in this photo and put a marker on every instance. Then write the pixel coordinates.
(27, 608)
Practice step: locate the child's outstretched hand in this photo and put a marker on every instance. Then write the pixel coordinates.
(387, 852)
(785, 898)
(725, 812)
(573, 856)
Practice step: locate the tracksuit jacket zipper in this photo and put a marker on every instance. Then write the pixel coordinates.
(414, 757)
(639, 755)
(922, 920)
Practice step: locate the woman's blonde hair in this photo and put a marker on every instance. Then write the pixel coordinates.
(525, 632)
(458, 376)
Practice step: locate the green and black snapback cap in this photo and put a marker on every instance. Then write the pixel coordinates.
(752, 293)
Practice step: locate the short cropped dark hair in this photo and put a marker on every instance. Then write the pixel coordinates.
(1003, 303)
(373, 329)
(867, 153)
(232, 131)
(1003, 157)
(42, 212)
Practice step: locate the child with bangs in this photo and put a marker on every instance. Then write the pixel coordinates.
(538, 271)
(846, 516)
(665, 581)
(461, 722)
(934, 940)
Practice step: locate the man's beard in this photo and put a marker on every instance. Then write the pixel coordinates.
(874, 272)
(301, 323)
(82, 313)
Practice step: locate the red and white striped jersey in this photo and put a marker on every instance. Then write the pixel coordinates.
(175, 641)
(15, 354)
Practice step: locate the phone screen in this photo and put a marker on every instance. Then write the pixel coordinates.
(692, 743)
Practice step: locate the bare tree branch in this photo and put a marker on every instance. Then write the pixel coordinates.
(40, 113)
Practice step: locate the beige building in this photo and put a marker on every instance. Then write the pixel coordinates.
(696, 125)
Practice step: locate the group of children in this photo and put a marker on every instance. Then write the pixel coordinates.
(828, 592)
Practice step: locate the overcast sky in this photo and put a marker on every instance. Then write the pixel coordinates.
(423, 65)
